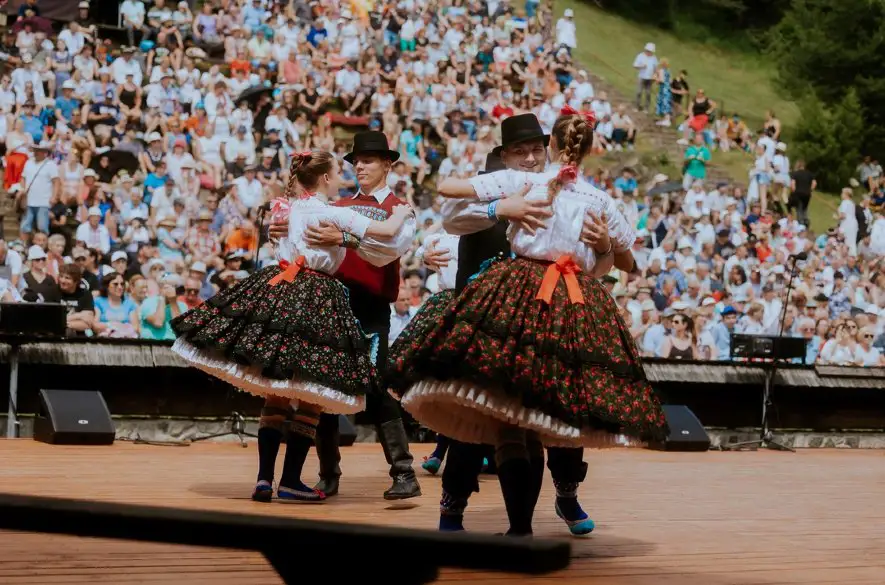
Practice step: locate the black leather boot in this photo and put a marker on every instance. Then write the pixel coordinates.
(395, 444)
(329, 455)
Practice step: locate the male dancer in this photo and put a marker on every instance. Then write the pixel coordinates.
(373, 284)
(483, 236)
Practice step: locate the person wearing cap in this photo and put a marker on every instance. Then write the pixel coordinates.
(373, 277)
(67, 107)
(566, 31)
(37, 278)
(39, 187)
(646, 65)
(93, 233)
(249, 189)
(125, 65)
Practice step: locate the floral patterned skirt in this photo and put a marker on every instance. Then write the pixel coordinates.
(498, 356)
(298, 340)
(424, 320)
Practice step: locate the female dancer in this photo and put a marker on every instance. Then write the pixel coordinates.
(287, 332)
(517, 352)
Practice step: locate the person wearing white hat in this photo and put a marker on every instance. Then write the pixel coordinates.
(40, 184)
(646, 65)
(566, 32)
(37, 278)
(93, 234)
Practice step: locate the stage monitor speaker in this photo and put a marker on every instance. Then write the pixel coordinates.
(686, 431)
(346, 432)
(33, 319)
(73, 417)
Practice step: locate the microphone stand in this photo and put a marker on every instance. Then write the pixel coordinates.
(766, 439)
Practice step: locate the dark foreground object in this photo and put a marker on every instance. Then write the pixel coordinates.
(287, 542)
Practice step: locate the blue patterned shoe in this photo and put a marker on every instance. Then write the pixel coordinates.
(299, 494)
(431, 465)
(578, 526)
(263, 492)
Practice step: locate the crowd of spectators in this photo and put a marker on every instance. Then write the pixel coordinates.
(140, 168)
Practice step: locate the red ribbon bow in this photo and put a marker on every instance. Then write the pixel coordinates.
(567, 174)
(302, 156)
(567, 110)
(566, 268)
(290, 271)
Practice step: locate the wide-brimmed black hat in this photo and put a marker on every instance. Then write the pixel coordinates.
(521, 128)
(493, 163)
(371, 142)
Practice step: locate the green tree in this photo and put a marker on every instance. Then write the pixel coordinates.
(826, 137)
(830, 47)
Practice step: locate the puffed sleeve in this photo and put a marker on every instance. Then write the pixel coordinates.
(462, 217)
(383, 252)
(499, 184)
(349, 221)
(620, 231)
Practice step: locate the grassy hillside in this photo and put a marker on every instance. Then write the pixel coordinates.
(738, 81)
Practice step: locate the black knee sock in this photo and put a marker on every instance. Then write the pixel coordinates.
(536, 463)
(269, 439)
(301, 435)
(442, 447)
(515, 477)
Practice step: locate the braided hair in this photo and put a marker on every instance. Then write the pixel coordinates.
(306, 169)
(574, 136)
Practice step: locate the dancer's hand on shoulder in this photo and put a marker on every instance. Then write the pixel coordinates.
(595, 232)
(403, 211)
(529, 214)
(279, 228)
(435, 259)
(325, 233)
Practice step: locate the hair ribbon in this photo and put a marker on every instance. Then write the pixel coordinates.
(567, 174)
(589, 117)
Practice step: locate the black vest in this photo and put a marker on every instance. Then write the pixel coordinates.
(475, 249)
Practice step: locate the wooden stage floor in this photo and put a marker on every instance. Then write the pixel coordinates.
(711, 518)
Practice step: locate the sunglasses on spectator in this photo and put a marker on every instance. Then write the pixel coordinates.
(869, 336)
(191, 291)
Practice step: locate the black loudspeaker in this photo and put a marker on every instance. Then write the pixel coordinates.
(686, 431)
(37, 319)
(346, 432)
(73, 417)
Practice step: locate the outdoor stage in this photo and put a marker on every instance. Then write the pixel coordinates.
(817, 516)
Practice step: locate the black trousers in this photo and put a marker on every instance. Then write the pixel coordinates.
(461, 474)
(373, 313)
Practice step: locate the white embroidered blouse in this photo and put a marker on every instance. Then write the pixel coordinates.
(562, 232)
(304, 213)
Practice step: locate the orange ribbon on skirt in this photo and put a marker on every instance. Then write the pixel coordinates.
(566, 268)
(290, 271)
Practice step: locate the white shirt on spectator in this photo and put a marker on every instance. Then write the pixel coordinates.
(646, 64)
(96, 239)
(250, 192)
(74, 41)
(565, 33)
(347, 81)
(38, 177)
(133, 11)
(122, 67)
(13, 262)
(867, 358)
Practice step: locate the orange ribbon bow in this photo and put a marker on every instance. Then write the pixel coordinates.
(564, 266)
(290, 271)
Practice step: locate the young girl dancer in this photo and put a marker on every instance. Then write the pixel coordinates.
(534, 344)
(287, 332)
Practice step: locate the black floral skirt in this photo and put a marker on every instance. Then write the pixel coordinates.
(498, 355)
(427, 317)
(298, 340)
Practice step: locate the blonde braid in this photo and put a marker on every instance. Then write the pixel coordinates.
(572, 150)
(293, 181)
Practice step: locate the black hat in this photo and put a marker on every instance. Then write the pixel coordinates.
(371, 142)
(521, 128)
(493, 163)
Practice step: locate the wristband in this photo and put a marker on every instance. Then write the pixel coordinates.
(607, 252)
(492, 210)
(350, 241)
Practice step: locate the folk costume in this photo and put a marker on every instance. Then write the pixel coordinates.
(373, 277)
(535, 342)
(288, 331)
